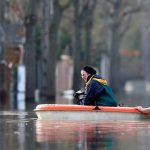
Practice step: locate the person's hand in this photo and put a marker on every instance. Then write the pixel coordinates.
(140, 108)
(143, 110)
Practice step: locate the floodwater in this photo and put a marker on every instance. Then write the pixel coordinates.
(20, 130)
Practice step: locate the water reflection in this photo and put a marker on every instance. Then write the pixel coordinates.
(22, 130)
(14, 130)
(93, 135)
(82, 134)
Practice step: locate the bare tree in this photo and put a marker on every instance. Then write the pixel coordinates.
(30, 52)
(2, 31)
(83, 17)
(77, 45)
(56, 16)
(2, 7)
(2, 38)
(146, 56)
(46, 19)
(88, 11)
(119, 14)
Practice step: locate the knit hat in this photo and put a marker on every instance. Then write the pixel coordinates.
(89, 70)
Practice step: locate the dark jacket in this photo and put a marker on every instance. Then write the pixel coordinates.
(98, 93)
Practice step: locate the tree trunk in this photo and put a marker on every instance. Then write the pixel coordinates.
(88, 28)
(2, 10)
(115, 44)
(30, 52)
(53, 38)
(2, 32)
(90, 7)
(45, 47)
(146, 56)
(76, 47)
(50, 46)
(51, 78)
(114, 60)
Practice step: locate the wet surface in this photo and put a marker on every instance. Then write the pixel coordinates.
(22, 130)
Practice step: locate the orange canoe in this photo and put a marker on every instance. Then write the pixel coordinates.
(79, 112)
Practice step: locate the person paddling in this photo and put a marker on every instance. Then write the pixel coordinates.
(97, 91)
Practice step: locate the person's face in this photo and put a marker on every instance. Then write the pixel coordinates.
(84, 75)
